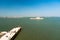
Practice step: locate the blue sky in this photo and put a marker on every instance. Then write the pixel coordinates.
(30, 8)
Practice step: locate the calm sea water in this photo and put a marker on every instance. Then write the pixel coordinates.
(47, 29)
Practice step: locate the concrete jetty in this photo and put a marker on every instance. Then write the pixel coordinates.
(10, 35)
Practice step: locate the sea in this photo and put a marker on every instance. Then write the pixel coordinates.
(46, 29)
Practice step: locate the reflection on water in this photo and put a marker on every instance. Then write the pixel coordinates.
(47, 29)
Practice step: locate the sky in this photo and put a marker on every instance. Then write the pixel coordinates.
(30, 8)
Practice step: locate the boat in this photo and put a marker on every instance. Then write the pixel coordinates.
(37, 18)
(10, 35)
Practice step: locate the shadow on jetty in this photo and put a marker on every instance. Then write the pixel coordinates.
(15, 35)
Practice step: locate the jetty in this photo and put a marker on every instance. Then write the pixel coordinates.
(11, 34)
